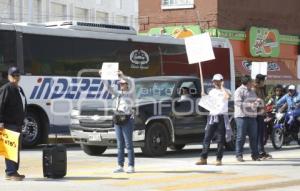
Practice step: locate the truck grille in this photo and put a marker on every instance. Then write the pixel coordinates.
(96, 124)
(96, 112)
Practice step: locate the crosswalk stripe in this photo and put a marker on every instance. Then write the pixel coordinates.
(217, 182)
(170, 179)
(274, 185)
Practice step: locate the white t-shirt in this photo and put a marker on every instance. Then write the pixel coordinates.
(221, 102)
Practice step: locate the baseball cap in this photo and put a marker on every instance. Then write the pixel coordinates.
(217, 77)
(13, 71)
(291, 87)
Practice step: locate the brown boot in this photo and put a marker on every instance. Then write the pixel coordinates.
(202, 162)
(218, 163)
(15, 177)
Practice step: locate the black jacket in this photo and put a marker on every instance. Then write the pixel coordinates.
(11, 105)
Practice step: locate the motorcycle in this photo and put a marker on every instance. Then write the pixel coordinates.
(286, 128)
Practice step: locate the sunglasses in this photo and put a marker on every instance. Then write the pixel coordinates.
(15, 75)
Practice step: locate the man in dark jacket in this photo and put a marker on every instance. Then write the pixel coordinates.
(12, 114)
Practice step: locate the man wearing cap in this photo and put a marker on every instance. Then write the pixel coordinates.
(292, 98)
(260, 90)
(12, 114)
(215, 121)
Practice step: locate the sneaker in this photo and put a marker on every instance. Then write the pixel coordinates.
(265, 156)
(15, 177)
(202, 162)
(240, 159)
(119, 169)
(255, 158)
(218, 163)
(130, 169)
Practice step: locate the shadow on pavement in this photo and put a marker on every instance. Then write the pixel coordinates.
(75, 178)
(183, 172)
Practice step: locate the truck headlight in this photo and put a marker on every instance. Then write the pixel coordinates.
(74, 121)
(75, 113)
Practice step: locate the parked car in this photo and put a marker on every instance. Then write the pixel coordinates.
(162, 119)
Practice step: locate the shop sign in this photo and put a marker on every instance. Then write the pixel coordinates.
(176, 31)
(264, 42)
(272, 66)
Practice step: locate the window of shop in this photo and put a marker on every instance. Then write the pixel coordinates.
(177, 4)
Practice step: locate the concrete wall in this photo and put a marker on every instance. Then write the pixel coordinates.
(152, 15)
(241, 14)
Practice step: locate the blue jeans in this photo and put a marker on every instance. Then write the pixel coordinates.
(261, 126)
(246, 125)
(11, 166)
(124, 138)
(217, 129)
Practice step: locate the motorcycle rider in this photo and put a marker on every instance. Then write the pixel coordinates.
(277, 93)
(292, 98)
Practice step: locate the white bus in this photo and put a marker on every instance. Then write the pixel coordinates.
(59, 63)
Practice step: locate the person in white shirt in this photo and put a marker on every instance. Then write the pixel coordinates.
(215, 120)
(123, 102)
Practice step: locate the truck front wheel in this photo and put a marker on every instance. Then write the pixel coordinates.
(93, 150)
(156, 140)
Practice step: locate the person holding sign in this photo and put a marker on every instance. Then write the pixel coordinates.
(216, 120)
(123, 119)
(12, 114)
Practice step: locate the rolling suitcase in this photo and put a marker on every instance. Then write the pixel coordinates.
(54, 161)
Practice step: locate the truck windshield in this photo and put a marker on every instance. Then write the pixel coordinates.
(154, 89)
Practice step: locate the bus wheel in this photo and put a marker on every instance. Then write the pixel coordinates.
(93, 150)
(156, 140)
(31, 130)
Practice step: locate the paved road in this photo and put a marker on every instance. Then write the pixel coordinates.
(175, 171)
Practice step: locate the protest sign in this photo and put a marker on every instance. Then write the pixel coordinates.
(199, 48)
(110, 71)
(259, 68)
(209, 103)
(9, 144)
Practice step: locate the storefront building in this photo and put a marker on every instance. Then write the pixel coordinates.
(255, 45)
(259, 31)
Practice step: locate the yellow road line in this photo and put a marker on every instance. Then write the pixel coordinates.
(275, 185)
(170, 179)
(217, 182)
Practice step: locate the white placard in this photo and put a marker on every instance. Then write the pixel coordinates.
(210, 104)
(259, 68)
(199, 48)
(110, 71)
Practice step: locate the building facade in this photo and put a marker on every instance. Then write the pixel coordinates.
(122, 12)
(258, 30)
(225, 14)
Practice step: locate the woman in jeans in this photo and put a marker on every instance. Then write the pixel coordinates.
(123, 102)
